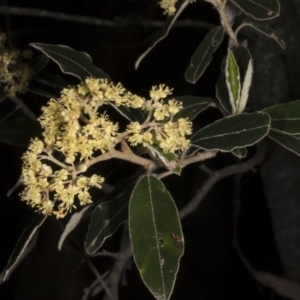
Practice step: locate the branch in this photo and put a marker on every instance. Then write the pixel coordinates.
(218, 175)
(94, 288)
(100, 279)
(118, 22)
(125, 254)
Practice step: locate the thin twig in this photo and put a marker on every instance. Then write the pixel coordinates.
(118, 22)
(91, 289)
(218, 175)
(125, 254)
(100, 278)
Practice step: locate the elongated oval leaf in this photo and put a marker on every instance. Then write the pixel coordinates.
(245, 88)
(244, 61)
(288, 141)
(106, 219)
(19, 132)
(73, 222)
(192, 106)
(164, 31)
(233, 81)
(204, 54)
(23, 246)
(156, 236)
(285, 117)
(265, 29)
(78, 64)
(232, 132)
(259, 9)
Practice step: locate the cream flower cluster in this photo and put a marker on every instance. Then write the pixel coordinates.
(159, 128)
(76, 135)
(14, 74)
(169, 6)
(44, 187)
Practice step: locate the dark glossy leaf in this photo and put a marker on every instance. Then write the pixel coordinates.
(232, 132)
(265, 29)
(192, 106)
(39, 63)
(54, 81)
(204, 54)
(78, 64)
(106, 219)
(163, 32)
(19, 132)
(285, 117)
(240, 152)
(233, 81)
(259, 9)
(290, 142)
(113, 209)
(156, 236)
(222, 93)
(23, 246)
(131, 114)
(73, 222)
(243, 59)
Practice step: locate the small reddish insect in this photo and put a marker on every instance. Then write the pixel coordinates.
(177, 240)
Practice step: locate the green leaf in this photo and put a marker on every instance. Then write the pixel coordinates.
(259, 9)
(131, 114)
(232, 132)
(290, 142)
(233, 83)
(204, 54)
(51, 80)
(192, 106)
(107, 217)
(240, 152)
(285, 117)
(265, 29)
(156, 236)
(39, 63)
(73, 222)
(78, 64)
(110, 213)
(243, 60)
(19, 132)
(164, 31)
(24, 245)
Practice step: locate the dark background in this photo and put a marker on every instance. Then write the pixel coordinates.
(210, 268)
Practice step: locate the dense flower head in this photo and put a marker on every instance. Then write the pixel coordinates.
(14, 73)
(76, 134)
(160, 129)
(169, 6)
(53, 191)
